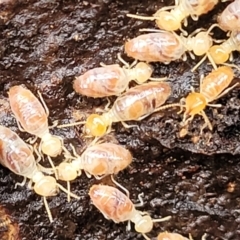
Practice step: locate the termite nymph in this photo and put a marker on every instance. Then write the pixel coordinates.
(115, 205)
(99, 160)
(16, 155)
(33, 118)
(111, 80)
(136, 104)
(165, 46)
(172, 20)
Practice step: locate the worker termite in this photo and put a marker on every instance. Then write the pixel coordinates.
(212, 87)
(135, 104)
(175, 236)
(165, 46)
(229, 19)
(111, 80)
(172, 20)
(115, 205)
(16, 155)
(98, 160)
(219, 54)
(33, 118)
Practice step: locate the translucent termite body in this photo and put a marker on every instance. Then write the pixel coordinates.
(172, 20)
(97, 160)
(33, 118)
(220, 53)
(166, 46)
(115, 205)
(229, 19)
(212, 87)
(18, 157)
(110, 80)
(135, 104)
(170, 236)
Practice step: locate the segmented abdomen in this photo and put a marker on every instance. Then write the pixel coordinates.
(105, 158)
(15, 154)
(102, 82)
(155, 47)
(28, 111)
(139, 101)
(111, 202)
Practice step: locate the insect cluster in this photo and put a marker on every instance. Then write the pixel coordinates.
(100, 159)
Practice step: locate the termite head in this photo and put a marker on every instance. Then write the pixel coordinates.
(218, 54)
(195, 103)
(167, 21)
(45, 185)
(51, 145)
(67, 171)
(144, 224)
(202, 43)
(96, 125)
(142, 72)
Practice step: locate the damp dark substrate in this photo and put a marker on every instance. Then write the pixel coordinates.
(44, 44)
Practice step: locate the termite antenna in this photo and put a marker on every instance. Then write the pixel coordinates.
(71, 124)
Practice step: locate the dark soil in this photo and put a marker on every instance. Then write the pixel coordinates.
(44, 44)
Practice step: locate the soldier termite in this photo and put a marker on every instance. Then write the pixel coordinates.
(172, 20)
(33, 118)
(16, 155)
(111, 80)
(135, 104)
(98, 160)
(115, 205)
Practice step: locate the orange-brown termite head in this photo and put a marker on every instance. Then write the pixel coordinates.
(195, 103)
(218, 54)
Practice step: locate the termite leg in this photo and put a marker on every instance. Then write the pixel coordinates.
(66, 191)
(141, 202)
(120, 186)
(207, 122)
(226, 91)
(162, 219)
(48, 210)
(20, 127)
(123, 61)
(43, 103)
(22, 183)
(130, 126)
(145, 236)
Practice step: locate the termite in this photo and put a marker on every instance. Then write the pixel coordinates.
(111, 80)
(16, 155)
(98, 160)
(212, 87)
(172, 20)
(32, 117)
(135, 104)
(115, 205)
(175, 236)
(166, 46)
(229, 19)
(219, 54)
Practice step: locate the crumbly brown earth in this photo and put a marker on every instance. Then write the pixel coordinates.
(44, 44)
